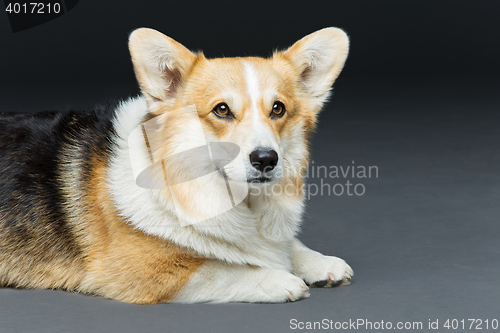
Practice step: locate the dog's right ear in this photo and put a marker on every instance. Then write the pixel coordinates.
(160, 64)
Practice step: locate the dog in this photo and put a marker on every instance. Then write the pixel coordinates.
(173, 196)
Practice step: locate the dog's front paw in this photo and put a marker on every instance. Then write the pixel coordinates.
(325, 271)
(279, 287)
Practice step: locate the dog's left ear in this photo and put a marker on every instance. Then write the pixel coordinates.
(160, 64)
(319, 59)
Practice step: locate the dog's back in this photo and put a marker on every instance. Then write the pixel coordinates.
(37, 243)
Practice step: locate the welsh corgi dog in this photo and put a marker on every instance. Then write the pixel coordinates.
(191, 192)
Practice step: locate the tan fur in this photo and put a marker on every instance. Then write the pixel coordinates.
(118, 261)
(124, 263)
(32, 266)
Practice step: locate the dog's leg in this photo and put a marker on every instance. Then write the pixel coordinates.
(317, 269)
(219, 282)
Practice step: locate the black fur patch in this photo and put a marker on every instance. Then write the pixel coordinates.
(34, 226)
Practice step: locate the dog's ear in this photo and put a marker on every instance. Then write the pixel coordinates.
(319, 58)
(160, 64)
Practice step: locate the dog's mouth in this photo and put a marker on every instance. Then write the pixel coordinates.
(257, 177)
(259, 180)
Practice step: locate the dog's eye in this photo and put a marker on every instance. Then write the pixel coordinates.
(222, 110)
(278, 109)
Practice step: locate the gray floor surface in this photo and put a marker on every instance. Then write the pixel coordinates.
(424, 239)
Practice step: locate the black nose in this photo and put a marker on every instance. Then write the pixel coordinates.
(264, 159)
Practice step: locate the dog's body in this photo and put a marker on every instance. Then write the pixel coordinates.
(72, 215)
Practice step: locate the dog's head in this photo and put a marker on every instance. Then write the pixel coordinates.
(267, 107)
